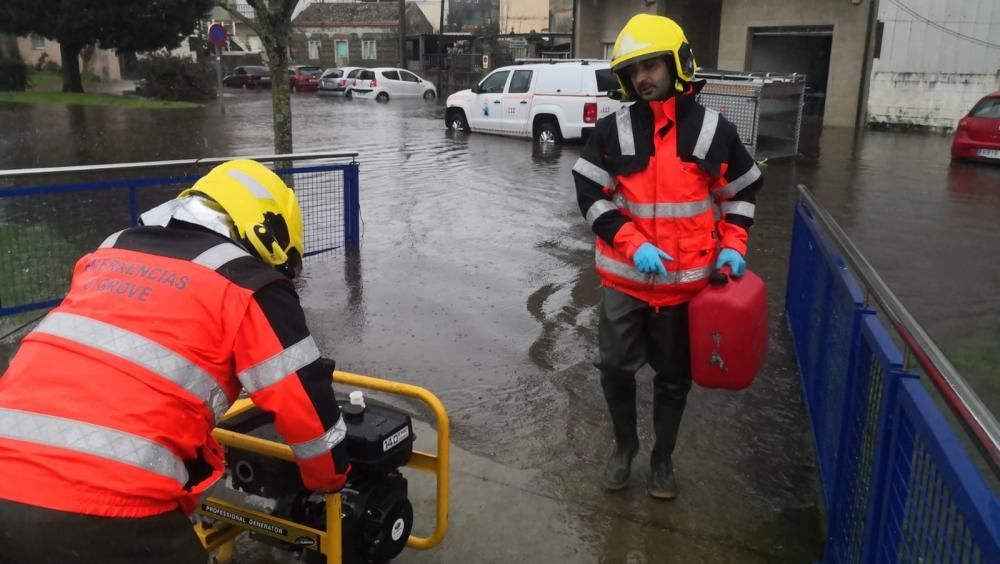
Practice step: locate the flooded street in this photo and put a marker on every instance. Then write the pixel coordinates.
(475, 280)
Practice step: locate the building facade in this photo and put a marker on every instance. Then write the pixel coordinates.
(362, 34)
(470, 15)
(933, 61)
(36, 50)
(830, 41)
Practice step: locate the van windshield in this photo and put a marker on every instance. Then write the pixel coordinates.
(606, 80)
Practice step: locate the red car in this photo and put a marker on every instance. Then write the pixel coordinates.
(304, 78)
(978, 134)
(248, 77)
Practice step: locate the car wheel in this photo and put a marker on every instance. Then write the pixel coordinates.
(382, 97)
(429, 95)
(456, 121)
(547, 133)
(347, 94)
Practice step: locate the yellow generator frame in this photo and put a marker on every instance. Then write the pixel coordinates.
(230, 520)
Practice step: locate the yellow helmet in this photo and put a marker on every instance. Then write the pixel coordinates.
(264, 211)
(646, 36)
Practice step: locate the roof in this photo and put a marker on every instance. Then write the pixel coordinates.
(362, 14)
(432, 11)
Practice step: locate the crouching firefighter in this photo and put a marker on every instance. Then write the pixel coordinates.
(107, 409)
(669, 191)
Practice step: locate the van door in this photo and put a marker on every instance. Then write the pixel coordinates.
(486, 107)
(517, 103)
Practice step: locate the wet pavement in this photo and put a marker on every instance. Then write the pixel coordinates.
(475, 281)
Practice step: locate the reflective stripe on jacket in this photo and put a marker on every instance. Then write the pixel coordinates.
(674, 174)
(108, 406)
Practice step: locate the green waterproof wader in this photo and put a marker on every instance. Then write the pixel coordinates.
(632, 334)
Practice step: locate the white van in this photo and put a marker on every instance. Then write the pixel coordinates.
(548, 101)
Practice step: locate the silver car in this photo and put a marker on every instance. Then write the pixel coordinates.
(334, 81)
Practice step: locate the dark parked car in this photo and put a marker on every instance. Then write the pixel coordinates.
(248, 77)
(978, 134)
(302, 78)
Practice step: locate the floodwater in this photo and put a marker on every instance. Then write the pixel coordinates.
(475, 280)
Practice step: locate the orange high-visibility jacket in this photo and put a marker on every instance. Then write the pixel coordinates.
(674, 174)
(108, 406)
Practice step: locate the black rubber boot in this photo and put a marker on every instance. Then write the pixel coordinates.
(669, 400)
(618, 468)
(662, 484)
(619, 392)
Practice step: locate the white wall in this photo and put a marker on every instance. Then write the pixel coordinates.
(929, 76)
(936, 100)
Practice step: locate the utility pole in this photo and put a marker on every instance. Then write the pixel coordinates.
(402, 34)
(440, 49)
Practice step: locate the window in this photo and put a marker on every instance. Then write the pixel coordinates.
(391, 75)
(988, 108)
(37, 42)
(368, 49)
(494, 83)
(341, 50)
(355, 73)
(366, 75)
(314, 45)
(606, 80)
(240, 71)
(608, 49)
(408, 76)
(520, 82)
(255, 44)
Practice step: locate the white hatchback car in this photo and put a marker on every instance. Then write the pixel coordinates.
(548, 101)
(387, 83)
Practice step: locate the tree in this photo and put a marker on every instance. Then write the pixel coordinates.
(272, 20)
(114, 24)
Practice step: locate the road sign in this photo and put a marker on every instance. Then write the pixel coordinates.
(217, 33)
(486, 62)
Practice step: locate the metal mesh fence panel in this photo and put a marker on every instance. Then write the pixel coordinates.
(939, 507)
(738, 103)
(898, 484)
(48, 222)
(321, 198)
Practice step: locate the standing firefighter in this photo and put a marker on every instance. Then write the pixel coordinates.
(106, 411)
(646, 183)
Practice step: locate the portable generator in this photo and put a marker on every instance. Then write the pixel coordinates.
(376, 514)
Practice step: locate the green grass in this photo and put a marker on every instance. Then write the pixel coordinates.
(45, 81)
(107, 100)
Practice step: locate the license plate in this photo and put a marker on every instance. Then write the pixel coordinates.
(989, 153)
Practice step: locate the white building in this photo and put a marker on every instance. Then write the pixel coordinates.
(935, 60)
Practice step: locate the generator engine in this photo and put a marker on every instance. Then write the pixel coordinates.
(377, 516)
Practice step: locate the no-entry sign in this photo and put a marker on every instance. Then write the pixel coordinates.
(217, 33)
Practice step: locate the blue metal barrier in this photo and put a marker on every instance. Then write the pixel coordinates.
(47, 222)
(897, 483)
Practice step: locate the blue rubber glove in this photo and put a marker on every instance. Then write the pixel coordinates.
(649, 260)
(737, 264)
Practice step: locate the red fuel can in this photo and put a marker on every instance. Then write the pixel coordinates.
(728, 323)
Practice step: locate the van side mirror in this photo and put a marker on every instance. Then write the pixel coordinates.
(476, 89)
